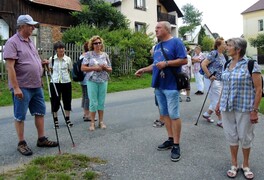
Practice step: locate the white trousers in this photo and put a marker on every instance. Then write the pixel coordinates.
(199, 81)
(238, 128)
(214, 93)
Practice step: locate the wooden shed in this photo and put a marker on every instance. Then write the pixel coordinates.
(53, 15)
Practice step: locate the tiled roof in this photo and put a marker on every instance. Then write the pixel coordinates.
(74, 5)
(255, 7)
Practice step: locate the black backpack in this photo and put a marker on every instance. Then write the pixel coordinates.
(250, 69)
(77, 74)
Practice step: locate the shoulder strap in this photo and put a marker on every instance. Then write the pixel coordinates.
(163, 52)
(226, 63)
(250, 66)
(216, 54)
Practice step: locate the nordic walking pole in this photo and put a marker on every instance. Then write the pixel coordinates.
(46, 74)
(196, 124)
(63, 113)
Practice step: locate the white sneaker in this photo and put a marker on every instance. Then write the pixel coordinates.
(208, 117)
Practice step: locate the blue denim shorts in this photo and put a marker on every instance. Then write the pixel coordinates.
(168, 101)
(33, 99)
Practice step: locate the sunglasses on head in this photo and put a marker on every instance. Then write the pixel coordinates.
(97, 43)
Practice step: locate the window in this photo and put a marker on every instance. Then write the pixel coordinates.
(140, 26)
(140, 4)
(260, 25)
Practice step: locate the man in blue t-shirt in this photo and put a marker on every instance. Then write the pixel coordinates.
(165, 85)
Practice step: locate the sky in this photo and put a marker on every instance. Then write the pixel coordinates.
(221, 16)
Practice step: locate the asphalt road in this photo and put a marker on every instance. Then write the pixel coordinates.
(129, 142)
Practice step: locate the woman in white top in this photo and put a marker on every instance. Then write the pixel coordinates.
(61, 66)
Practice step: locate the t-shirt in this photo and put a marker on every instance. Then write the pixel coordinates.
(175, 49)
(28, 65)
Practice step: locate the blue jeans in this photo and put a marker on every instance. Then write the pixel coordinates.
(33, 99)
(168, 101)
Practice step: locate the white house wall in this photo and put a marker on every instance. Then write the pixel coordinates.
(4, 29)
(250, 29)
(135, 15)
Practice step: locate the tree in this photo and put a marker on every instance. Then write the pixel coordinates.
(184, 29)
(101, 14)
(257, 42)
(207, 43)
(192, 16)
(201, 35)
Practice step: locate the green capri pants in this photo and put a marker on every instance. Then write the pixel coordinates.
(96, 93)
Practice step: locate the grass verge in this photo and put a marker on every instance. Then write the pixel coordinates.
(116, 84)
(65, 166)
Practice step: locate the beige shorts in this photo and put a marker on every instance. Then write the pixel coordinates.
(238, 128)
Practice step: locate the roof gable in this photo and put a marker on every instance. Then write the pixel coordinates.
(255, 7)
(74, 5)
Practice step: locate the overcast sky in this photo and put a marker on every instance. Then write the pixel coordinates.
(221, 16)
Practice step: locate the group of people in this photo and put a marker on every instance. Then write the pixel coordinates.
(234, 93)
(25, 70)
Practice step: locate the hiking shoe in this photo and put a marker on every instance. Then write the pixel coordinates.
(24, 149)
(166, 145)
(188, 99)
(175, 153)
(158, 123)
(44, 142)
(180, 99)
(199, 93)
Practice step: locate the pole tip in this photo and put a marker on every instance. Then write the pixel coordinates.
(73, 145)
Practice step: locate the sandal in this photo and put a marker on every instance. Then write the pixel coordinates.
(102, 125)
(232, 172)
(91, 128)
(220, 124)
(248, 174)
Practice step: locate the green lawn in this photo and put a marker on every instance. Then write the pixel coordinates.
(115, 84)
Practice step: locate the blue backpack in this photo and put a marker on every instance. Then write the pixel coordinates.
(201, 70)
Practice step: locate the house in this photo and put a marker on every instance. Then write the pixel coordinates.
(192, 37)
(54, 17)
(146, 13)
(253, 24)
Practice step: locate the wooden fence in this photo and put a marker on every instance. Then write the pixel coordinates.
(122, 60)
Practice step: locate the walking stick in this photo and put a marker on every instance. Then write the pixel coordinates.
(196, 124)
(63, 113)
(56, 132)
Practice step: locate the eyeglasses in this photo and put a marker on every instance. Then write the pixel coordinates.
(97, 43)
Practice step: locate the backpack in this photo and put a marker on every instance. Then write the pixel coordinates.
(250, 69)
(77, 74)
(201, 69)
